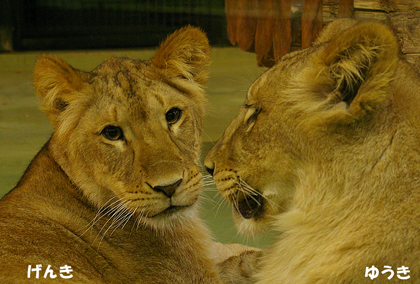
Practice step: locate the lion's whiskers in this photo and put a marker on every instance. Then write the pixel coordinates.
(140, 215)
(208, 181)
(206, 198)
(221, 202)
(124, 220)
(207, 177)
(247, 190)
(235, 202)
(250, 191)
(99, 215)
(119, 212)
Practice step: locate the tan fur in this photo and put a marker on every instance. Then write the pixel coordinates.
(87, 201)
(237, 263)
(327, 142)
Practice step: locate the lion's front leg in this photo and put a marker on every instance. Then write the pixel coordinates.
(237, 263)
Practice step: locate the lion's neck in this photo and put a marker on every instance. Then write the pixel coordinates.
(49, 183)
(370, 176)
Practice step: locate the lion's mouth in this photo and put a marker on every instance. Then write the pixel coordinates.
(250, 207)
(170, 210)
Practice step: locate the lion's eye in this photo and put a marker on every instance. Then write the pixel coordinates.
(173, 115)
(251, 115)
(112, 133)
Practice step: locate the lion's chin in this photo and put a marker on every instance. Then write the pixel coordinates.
(170, 218)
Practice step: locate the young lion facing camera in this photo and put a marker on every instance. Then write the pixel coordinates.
(112, 196)
(326, 150)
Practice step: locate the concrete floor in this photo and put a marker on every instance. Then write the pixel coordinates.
(24, 128)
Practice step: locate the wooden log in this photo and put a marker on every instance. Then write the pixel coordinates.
(407, 27)
(312, 22)
(231, 19)
(276, 27)
(266, 21)
(246, 24)
(373, 5)
(404, 5)
(283, 29)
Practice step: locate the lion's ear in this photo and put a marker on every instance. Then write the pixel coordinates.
(335, 28)
(57, 84)
(184, 54)
(356, 67)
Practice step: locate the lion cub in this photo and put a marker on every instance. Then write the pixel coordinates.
(112, 196)
(326, 150)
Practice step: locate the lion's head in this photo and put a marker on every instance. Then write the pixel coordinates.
(128, 133)
(314, 107)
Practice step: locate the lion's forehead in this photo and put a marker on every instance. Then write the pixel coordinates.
(124, 89)
(279, 75)
(127, 86)
(128, 77)
(135, 84)
(115, 65)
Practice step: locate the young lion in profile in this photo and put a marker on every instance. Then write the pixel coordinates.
(326, 150)
(112, 196)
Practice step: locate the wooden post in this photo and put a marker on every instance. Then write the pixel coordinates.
(311, 21)
(230, 9)
(247, 24)
(266, 21)
(283, 29)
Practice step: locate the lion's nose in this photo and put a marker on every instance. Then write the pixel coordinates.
(168, 190)
(210, 170)
(209, 165)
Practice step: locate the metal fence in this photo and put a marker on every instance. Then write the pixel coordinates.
(69, 24)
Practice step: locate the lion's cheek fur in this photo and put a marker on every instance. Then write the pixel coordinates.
(77, 166)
